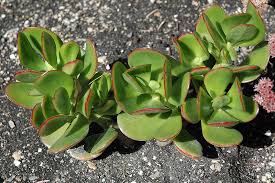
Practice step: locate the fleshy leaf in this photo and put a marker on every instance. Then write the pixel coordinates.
(27, 76)
(241, 34)
(236, 96)
(134, 82)
(37, 117)
(18, 93)
(85, 104)
(221, 136)
(221, 118)
(73, 67)
(90, 62)
(143, 56)
(34, 35)
(52, 80)
(76, 132)
(257, 21)
(258, 57)
(189, 110)
(27, 55)
(48, 108)
(234, 20)
(251, 112)
(142, 72)
(217, 80)
(202, 70)
(180, 89)
(191, 50)
(204, 104)
(163, 126)
(61, 101)
(69, 52)
(53, 128)
(167, 79)
(188, 145)
(49, 49)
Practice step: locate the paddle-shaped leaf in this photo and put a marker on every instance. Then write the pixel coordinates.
(134, 82)
(241, 34)
(236, 96)
(90, 62)
(143, 56)
(86, 103)
(27, 76)
(61, 101)
(37, 117)
(34, 35)
(217, 80)
(191, 50)
(167, 79)
(221, 118)
(18, 93)
(53, 128)
(163, 126)
(257, 21)
(258, 57)
(27, 55)
(188, 145)
(49, 49)
(234, 20)
(204, 104)
(69, 52)
(76, 132)
(221, 136)
(73, 67)
(52, 80)
(189, 110)
(48, 108)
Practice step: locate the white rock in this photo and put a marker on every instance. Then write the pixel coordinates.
(102, 59)
(107, 67)
(11, 124)
(268, 133)
(154, 157)
(268, 175)
(12, 56)
(140, 172)
(39, 150)
(264, 179)
(17, 155)
(16, 163)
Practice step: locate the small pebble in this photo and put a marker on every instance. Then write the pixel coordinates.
(11, 124)
(91, 165)
(16, 163)
(268, 133)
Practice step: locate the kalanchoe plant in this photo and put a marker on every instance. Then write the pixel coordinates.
(73, 105)
(63, 89)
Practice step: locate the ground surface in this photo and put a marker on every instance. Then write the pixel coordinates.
(118, 27)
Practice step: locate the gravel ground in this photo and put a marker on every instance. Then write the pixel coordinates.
(118, 27)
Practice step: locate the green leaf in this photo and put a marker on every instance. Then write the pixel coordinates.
(192, 51)
(221, 136)
(188, 145)
(52, 80)
(257, 21)
(18, 93)
(84, 106)
(216, 14)
(180, 89)
(103, 88)
(109, 107)
(142, 72)
(217, 80)
(48, 108)
(27, 55)
(75, 133)
(241, 34)
(204, 104)
(222, 119)
(163, 126)
(202, 70)
(49, 49)
(236, 96)
(189, 110)
(37, 117)
(234, 20)
(73, 68)
(245, 68)
(258, 57)
(69, 52)
(167, 79)
(90, 62)
(61, 101)
(251, 112)
(143, 56)
(53, 128)
(134, 82)
(34, 35)
(214, 33)
(27, 76)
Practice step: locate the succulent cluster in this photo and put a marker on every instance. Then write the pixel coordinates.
(153, 95)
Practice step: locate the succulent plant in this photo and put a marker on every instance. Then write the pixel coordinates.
(74, 105)
(63, 89)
